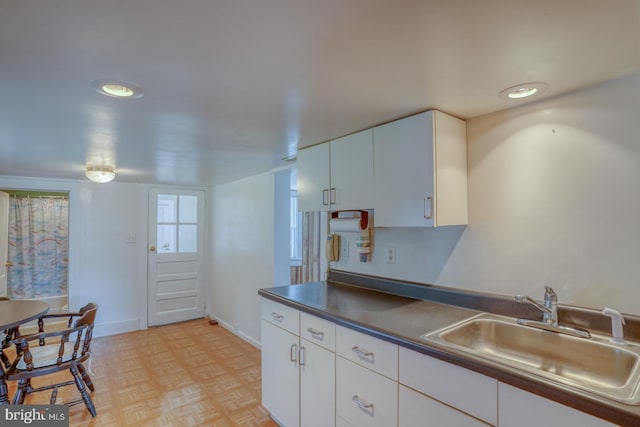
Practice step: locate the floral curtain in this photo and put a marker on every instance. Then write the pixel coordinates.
(38, 247)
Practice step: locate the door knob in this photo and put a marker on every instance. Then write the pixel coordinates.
(152, 248)
(8, 264)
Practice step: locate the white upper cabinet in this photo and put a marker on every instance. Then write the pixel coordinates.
(313, 178)
(420, 171)
(337, 175)
(352, 171)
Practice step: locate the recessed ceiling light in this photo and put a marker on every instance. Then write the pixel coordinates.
(117, 89)
(100, 174)
(523, 90)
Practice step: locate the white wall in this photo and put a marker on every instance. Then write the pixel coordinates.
(242, 259)
(553, 199)
(113, 272)
(102, 267)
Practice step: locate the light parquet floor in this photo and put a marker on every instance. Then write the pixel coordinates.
(185, 374)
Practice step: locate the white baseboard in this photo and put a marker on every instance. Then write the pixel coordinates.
(113, 328)
(236, 332)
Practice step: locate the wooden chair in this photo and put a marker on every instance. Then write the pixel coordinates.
(5, 340)
(68, 350)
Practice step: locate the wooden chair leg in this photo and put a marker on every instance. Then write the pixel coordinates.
(21, 392)
(83, 391)
(85, 377)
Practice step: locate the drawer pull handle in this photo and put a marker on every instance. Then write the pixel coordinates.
(366, 406)
(293, 353)
(278, 317)
(319, 335)
(363, 354)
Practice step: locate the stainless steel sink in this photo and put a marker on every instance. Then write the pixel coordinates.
(592, 365)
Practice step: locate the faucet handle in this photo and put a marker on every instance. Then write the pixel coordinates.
(549, 294)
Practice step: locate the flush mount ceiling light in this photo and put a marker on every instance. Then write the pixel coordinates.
(523, 90)
(117, 89)
(100, 174)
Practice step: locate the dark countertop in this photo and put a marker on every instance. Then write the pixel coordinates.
(403, 319)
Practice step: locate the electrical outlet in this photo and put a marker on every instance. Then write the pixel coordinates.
(344, 250)
(390, 254)
(130, 238)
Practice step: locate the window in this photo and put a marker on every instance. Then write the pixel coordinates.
(296, 224)
(177, 223)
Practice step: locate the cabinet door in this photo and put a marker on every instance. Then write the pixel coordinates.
(403, 157)
(313, 178)
(519, 408)
(352, 171)
(317, 386)
(280, 374)
(417, 410)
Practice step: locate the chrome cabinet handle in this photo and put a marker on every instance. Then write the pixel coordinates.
(319, 335)
(362, 404)
(332, 196)
(277, 316)
(325, 197)
(293, 353)
(301, 356)
(430, 199)
(363, 354)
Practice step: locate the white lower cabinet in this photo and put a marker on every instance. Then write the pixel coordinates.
(280, 374)
(519, 408)
(417, 410)
(468, 391)
(298, 375)
(317, 385)
(363, 397)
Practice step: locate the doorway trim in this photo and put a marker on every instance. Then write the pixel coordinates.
(75, 218)
(144, 291)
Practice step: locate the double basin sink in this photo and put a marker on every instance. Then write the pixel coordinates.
(593, 365)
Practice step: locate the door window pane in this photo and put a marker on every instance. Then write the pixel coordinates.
(188, 238)
(166, 238)
(188, 209)
(167, 207)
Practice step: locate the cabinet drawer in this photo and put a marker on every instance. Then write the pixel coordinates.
(281, 315)
(466, 390)
(418, 410)
(519, 408)
(364, 398)
(370, 352)
(318, 331)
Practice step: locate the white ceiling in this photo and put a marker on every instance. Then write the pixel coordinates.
(232, 86)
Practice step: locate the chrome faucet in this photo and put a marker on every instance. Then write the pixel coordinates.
(550, 307)
(549, 315)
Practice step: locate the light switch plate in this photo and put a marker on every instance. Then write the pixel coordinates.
(344, 249)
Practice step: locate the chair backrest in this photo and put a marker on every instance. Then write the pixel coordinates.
(88, 315)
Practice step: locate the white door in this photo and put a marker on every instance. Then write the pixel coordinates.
(4, 241)
(176, 251)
